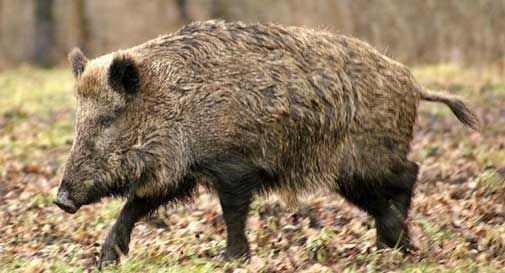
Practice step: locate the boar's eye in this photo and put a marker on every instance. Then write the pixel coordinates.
(105, 121)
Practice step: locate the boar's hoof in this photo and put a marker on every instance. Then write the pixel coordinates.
(106, 258)
(110, 254)
(238, 252)
(115, 246)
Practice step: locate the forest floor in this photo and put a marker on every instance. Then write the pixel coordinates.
(457, 219)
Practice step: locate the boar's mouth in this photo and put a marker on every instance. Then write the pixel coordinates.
(68, 208)
(64, 202)
(70, 198)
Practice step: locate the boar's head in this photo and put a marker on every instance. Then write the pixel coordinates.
(105, 158)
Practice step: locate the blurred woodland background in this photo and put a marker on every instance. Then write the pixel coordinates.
(41, 32)
(458, 209)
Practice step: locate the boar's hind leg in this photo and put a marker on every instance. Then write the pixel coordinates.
(388, 202)
(400, 188)
(116, 242)
(392, 229)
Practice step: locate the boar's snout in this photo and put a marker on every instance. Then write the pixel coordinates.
(64, 201)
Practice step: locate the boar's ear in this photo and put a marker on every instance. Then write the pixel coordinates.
(78, 61)
(124, 75)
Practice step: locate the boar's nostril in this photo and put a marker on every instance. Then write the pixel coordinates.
(64, 202)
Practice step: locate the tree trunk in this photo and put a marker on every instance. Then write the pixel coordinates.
(182, 6)
(82, 25)
(218, 9)
(44, 33)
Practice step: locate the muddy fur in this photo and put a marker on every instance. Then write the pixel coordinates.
(245, 109)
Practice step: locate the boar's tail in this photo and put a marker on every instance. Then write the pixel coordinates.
(458, 107)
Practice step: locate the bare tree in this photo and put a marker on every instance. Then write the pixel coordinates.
(182, 6)
(218, 9)
(44, 33)
(1, 43)
(82, 25)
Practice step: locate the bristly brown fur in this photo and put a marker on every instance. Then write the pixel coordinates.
(247, 109)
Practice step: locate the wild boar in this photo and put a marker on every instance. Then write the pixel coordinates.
(245, 109)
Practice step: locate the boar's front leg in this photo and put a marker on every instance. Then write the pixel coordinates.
(237, 181)
(235, 206)
(116, 242)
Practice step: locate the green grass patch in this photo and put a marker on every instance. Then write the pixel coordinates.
(33, 91)
(489, 182)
